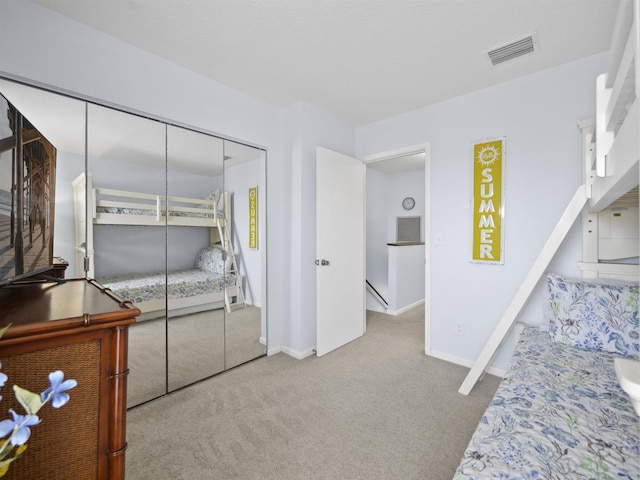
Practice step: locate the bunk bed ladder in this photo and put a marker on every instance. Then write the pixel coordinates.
(554, 241)
(228, 248)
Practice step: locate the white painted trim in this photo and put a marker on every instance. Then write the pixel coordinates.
(297, 354)
(274, 350)
(499, 372)
(395, 313)
(427, 256)
(396, 152)
(617, 271)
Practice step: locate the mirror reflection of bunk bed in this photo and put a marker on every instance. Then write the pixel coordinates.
(610, 190)
(214, 282)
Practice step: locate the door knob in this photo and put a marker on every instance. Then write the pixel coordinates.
(324, 263)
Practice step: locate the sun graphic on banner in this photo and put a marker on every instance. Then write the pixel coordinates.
(487, 155)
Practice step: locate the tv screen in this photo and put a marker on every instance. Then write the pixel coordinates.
(27, 193)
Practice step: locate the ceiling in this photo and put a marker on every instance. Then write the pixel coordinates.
(360, 60)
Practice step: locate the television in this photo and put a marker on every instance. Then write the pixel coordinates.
(27, 197)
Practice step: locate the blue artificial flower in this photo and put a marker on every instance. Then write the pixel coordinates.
(19, 426)
(3, 379)
(57, 389)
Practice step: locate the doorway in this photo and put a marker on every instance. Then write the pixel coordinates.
(398, 209)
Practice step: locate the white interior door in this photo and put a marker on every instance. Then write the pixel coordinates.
(340, 250)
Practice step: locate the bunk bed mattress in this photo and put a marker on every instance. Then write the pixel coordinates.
(139, 288)
(558, 413)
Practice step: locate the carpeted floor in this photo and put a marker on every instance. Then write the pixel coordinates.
(377, 408)
(198, 346)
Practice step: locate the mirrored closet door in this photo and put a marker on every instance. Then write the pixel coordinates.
(125, 182)
(196, 267)
(168, 218)
(245, 321)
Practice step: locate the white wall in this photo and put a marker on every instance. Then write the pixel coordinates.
(305, 128)
(377, 238)
(538, 114)
(406, 277)
(402, 185)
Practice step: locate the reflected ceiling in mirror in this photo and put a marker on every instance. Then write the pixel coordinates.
(194, 152)
(236, 153)
(61, 119)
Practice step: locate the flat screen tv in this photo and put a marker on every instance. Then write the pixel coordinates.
(27, 194)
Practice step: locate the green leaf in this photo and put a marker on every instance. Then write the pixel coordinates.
(29, 400)
(4, 329)
(9, 460)
(5, 448)
(4, 464)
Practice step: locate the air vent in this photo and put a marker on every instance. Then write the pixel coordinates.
(515, 49)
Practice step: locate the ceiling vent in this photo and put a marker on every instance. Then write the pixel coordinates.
(515, 49)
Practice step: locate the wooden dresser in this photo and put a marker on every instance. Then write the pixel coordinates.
(80, 328)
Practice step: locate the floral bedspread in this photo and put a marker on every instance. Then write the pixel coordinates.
(559, 413)
(140, 288)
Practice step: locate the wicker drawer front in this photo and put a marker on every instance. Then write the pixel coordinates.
(65, 444)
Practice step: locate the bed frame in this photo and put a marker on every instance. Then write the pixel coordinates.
(103, 206)
(611, 174)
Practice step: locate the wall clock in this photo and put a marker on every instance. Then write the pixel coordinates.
(408, 203)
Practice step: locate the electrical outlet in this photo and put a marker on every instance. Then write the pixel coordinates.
(459, 329)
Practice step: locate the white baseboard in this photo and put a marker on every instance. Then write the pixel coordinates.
(273, 351)
(405, 309)
(297, 354)
(465, 363)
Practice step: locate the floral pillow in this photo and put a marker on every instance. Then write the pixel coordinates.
(213, 260)
(594, 316)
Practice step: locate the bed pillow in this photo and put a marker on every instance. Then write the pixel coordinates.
(593, 315)
(212, 259)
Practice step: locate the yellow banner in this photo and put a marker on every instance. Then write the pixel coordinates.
(488, 208)
(253, 218)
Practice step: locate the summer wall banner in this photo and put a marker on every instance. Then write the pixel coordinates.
(253, 218)
(488, 201)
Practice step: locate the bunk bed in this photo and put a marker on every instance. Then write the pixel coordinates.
(214, 282)
(569, 404)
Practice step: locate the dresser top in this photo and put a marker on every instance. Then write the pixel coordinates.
(78, 302)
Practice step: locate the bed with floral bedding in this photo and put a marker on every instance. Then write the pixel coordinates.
(186, 291)
(559, 412)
